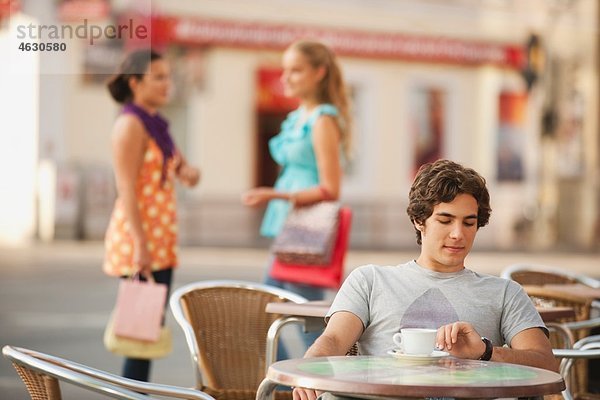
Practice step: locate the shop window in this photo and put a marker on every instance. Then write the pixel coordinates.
(428, 124)
(511, 136)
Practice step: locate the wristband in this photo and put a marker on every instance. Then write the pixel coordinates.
(489, 348)
(324, 193)
(292, 197)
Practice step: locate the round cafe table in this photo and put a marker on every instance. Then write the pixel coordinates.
(375, 377)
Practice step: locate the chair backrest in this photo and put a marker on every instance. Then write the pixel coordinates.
(225, 325)
(582, 307)
(544, 297)
(41, 374)
(584, 349)
(532, 274)
(41, 377)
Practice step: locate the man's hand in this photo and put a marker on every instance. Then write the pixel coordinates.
(305, 394)
(461, 340)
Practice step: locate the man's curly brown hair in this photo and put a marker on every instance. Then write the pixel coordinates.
(440, 182)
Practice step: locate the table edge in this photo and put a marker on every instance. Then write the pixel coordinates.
(389, 390)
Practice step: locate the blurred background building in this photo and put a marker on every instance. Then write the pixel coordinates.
(508, 87)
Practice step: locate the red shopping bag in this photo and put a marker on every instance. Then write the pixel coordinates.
(329, 275)
(139, 309)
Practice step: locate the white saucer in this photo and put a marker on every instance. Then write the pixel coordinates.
(433, 356)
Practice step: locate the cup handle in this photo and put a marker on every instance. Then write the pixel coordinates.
(397, 338)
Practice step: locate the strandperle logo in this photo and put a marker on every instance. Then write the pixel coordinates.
(91, 32)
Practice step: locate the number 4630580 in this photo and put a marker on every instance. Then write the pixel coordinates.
(42, 46)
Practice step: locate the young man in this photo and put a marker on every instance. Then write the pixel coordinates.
(474, 314)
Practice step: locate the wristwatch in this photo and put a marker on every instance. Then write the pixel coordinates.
(489, 347)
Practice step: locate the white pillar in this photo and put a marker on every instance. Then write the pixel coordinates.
(19, 80)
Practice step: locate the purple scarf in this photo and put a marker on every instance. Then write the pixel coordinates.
(158, 129)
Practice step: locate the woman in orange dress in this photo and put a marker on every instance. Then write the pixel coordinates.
(142, 233)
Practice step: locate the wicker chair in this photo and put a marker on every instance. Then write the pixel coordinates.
(530, 274)
(225, 326)
(41, 374)
(575, 329)
(586, 348)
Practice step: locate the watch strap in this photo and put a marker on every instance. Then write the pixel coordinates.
(489, 348)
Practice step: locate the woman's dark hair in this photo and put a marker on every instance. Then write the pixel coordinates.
(440, 182)
(134, 66)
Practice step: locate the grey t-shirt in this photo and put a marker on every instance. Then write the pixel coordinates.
(389, 298)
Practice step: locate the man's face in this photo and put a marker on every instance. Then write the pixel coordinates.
(448, 234)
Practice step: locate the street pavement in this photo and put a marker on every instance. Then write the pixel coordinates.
(54, 298)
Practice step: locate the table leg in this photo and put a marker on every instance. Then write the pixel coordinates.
(265, 390)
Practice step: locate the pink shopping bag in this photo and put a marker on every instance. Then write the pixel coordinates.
(139, 309)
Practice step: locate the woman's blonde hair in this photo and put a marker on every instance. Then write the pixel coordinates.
(332, 88)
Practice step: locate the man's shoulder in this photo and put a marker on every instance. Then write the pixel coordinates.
(489, 280)
(481, 275)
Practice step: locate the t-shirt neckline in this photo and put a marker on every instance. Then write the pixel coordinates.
(436, 274)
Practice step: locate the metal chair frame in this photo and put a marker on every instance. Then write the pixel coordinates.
(569, 331)
(30, 363)
(586, 348)
(190, 337)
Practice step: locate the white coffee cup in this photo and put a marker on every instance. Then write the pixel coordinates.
(416, 341)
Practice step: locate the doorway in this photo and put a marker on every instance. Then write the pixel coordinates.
(272, 108)
(269, 123)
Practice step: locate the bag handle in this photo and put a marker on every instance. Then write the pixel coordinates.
(148, 275)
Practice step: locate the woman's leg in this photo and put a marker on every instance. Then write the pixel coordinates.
(137, 368)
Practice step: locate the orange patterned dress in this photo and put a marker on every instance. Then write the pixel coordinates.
(157, 207)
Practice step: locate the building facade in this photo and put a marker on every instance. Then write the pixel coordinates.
(509, 88)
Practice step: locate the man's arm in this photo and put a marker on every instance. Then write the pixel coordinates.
(528, 347)
(342, 331)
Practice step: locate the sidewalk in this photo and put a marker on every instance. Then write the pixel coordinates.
(90, 253)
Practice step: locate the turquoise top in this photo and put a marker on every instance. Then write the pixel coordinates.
(293, 149)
